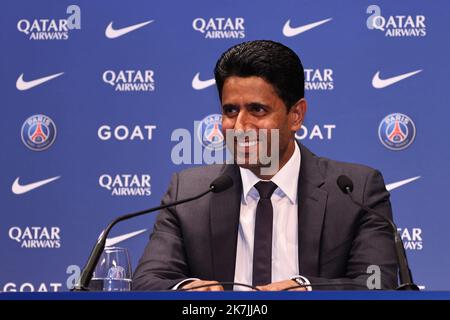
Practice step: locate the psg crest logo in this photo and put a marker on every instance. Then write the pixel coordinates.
(38, 132)
(209, 132)
(397, 131)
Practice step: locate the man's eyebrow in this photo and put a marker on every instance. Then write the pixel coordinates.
(228, 105)
(256, 104)
(248, 105)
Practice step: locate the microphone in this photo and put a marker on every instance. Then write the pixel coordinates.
(406, 281)
(219, 184)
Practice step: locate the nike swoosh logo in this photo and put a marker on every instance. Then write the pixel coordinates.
(198, 84)
(383, 83)
(112, 33)
(17, 188)
(25, 85)
(395, 185)
(289, 31)
(113, 241)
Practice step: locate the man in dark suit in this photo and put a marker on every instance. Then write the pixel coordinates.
(270, 230)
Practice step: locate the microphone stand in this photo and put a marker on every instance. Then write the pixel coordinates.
(406, 281)
(88, 270)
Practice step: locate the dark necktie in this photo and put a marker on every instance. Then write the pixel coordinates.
(262, 250)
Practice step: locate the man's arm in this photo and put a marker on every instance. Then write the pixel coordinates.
(163, 263)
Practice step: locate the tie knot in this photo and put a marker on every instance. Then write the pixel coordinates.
(265, 189)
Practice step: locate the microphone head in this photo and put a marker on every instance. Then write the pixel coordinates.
(345, 184)
(221, 183)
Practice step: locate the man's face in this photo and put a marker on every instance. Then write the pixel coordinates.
(251, 103)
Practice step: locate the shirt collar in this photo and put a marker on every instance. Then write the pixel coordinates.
(286, 178)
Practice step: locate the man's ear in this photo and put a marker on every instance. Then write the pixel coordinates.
(297, 114)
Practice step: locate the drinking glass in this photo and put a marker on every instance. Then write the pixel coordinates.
(113, 271)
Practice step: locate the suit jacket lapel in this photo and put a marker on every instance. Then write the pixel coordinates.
(224, 213)
(311, 212)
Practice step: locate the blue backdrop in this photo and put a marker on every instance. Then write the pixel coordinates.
(92, 91)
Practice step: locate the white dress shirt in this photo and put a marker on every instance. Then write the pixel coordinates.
(285, 224)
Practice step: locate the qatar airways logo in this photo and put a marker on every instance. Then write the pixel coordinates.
(130, 80)
(36, 237)
(412, 238)
(126, 184)
(396, 25)
(319, 79)
(220, 28)
(51, 29)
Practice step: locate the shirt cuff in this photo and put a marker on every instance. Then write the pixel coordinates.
(301, 280)
(175, 287)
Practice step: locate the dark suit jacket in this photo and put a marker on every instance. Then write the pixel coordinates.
(337, 241)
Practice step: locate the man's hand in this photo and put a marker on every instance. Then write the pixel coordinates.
(197, 283)
(281, 285)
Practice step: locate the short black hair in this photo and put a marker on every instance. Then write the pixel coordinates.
(274, 62)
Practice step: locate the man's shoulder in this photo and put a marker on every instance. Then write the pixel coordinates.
(360, 174)
(201, 172)
(336, 167)
(201, 176)
(344, 167)
(196, 179)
